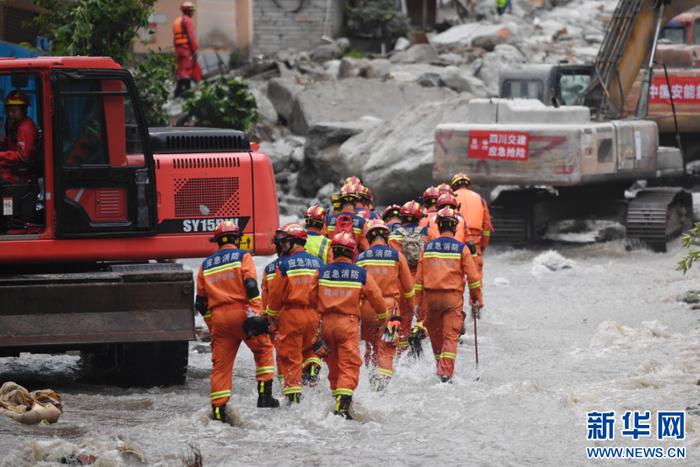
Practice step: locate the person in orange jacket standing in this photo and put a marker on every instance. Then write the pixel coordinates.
(185, 42)
(227, 285)
(19, 146)
(440, 286)
(289, 305)
(475, 212)
(448, 200)
(346, 220)
(389, 269)
(430, 197)
(336, 294)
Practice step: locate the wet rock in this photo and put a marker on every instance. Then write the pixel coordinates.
(281, 92)
(402, 44)
(551, 261)
(419, 53)
(460, 80)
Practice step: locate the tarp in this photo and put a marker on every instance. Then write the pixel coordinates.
(29, 407)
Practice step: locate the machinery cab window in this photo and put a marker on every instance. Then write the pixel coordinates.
(21, 155)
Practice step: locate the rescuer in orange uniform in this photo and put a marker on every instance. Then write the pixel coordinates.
(346, 220)
(444, 188)
(185, 42)
(430, 197)
(340, 287)
(289, 304)
(440, 287)
(475, 212)
(448, 200)
(392, 216)
(316, 243)
(227, 285)
(365, 206)
(21, 135)
(390, 271)
(268, 276)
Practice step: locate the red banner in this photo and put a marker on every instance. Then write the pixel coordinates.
(498, 145)
(685, 90)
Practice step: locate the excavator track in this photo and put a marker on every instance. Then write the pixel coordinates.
(657, 215)
(519, 216)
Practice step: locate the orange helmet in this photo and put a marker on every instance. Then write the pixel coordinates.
(431, 194)
(315, 213)
(460, 179)
(345, 241)
(365, 193)
(444, 188)
(393, 210)
(290, 231)
(411, 209)
(353, 180)
(447, 214)
(187, 6)
(376, 225)
(17, 98)
(447, 199)
(349, 193)
(225, 229)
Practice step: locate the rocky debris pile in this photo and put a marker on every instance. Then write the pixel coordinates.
(332, 111)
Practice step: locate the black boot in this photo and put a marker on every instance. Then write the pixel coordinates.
(294, 398)
(445, 379)
(342, 406)
(265, 398)
(219, 413)
(183, 85)
(309, 375)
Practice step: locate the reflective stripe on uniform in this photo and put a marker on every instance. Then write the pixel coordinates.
(270, 312)
(486, 233)
(436, 254)
(475, 285)
(385, 372)
(291, 390)
(257, 297)
(448, 355)
(418, 287)
(264, 369)
(269, 277)
(220, 394)
(410, 294)
(207, 314)
(348, 284)
(403, 344)
(311, 360)
(376, 262)
(301, 272)
(343, 392)
(222, 268)
(383, 315)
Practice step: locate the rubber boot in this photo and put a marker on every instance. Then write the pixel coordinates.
(265, 398)
(309, 375)
(219, 413)
(342, 406)
(294, 398)
(445, 379)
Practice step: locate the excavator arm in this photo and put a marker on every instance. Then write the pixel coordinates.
(629, 43)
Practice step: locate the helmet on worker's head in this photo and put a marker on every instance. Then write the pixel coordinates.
(447, 199)
(447, 219)
(352, 180)
(293, 232)
(444, 188)
(410, 212)
(335, 201)
(187, 7)
(349, 194)
(17, 98)
(393, 210)
(343, 244)
(315, 216)
(226, 232)
(430, 196)
(365, 194)
(375, 228)
(460, 180)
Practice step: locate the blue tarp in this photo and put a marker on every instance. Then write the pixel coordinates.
(8, 49)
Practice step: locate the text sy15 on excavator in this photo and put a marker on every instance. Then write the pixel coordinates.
(98, 199)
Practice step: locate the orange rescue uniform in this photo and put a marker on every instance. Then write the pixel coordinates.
(289, 302)
(336, 295)
(440, 286)
(390, 271)
(357, 223)
(185, 42)
(474, 209)
(221, 280)
(434, 232)
(268, 276)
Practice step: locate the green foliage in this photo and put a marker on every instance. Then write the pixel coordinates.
(690, 239)
(354, 53)
(223, 103)
(153, 75)
(376, 18)
(104, 28)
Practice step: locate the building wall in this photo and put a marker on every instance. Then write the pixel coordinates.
(276, 24)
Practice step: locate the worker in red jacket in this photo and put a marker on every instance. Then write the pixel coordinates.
(19, 146)
(185, 42)
(227, 285)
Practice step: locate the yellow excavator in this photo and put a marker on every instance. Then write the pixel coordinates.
(580, 160)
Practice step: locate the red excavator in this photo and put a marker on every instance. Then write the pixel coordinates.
(89, 229)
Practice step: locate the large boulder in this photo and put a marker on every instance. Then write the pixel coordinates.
(419, 53)
(461, 80)
(464, 34)
(350, 99)
(489, 69)
(321, 163)
(378, 68)
(396, 159)
(266, 111)
(281, 92)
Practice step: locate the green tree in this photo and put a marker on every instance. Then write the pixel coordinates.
(376, 18)
(104, 28)
(223, 103)
(690, 240)
(153, 75)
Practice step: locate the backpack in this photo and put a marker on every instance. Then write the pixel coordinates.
(343, 223)
(412, 245)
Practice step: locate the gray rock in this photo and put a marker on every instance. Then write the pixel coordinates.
(348, 68)
(266, 111)
(281, 92)
(690, 297)
(325, 52)
(396, 159)
(378, 68)
(460, 80)
(488, 42)
(343, 44)
(280, 153)
(429, 80)
(412, 71)
(451, 58)
(463, 34)
(326, 191)
(297, 157)
(350, 99)
(419, 53)
(402, 44)
(491, 64)
(321, 164)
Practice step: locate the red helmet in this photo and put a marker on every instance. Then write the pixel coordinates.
(447, 199)
(444, 188)
(393, 210)
(290, 231)
(430, 194)
(187, 6)
(315, 213)
(349, 193)
(365, 193)
(411, 209)
(223, 229)
(447, 214)
(16, 98)
(374, 225)
(460, 179)
(344, 240)
(353, 180)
